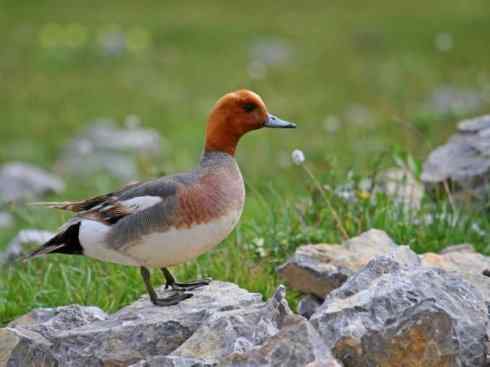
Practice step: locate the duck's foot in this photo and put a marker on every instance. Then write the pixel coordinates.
(187, 286)
(170, 300)
(163, 302)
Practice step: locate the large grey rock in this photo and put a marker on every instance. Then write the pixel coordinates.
(319, 269)
(263, 335)
(105, 148)
(221, 324)
(21, 181)
(463, 162)
(399, 313)
(135, 333)
(25, 237)
(27, 341)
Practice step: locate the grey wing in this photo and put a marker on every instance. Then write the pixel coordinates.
(112, 207)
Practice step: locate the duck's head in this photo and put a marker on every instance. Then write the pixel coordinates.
(234, 115)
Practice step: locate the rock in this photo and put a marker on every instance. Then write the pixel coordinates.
(221, 325)
(137, 332)
(270, 52)
(464, 261)
(308, 304)
(26, 341)
(15, 248)
(49, 320)
(105, 148)
(398, 313)
(173, 361)
(236, 330)
(20, 182)
(448, 100)
(6, 220)
(464, 247)
(459, 259)
(400, 185)
(296, 344)
(463, 163)
(267, 54)
(318, 269)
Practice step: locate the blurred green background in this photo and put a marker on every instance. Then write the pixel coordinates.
(363, 81)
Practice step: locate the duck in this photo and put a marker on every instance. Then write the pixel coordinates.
(173, 219)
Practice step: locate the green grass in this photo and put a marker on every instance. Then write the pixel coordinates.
(379, 55)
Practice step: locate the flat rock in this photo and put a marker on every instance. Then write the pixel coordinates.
(318, 269)
(399, 313)
(135, 333)
(20, 182)
(105, 148)
(221, 324)
(463, 162)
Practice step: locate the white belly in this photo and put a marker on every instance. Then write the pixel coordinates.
(177, 246)
(159, 249)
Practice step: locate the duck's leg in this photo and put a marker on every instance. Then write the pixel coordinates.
(167, 301)
(177, 286)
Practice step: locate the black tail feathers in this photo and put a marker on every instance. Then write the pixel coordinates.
(65, 242)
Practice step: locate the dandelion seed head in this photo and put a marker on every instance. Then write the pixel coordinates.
(298, 157)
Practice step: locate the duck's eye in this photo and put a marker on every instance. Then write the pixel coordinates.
(249, 107)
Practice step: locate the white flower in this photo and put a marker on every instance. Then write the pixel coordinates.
(298, 157)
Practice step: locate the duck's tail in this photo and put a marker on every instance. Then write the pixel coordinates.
(65, 242)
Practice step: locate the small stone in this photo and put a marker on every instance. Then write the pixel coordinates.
(271, 52)
(20, 182)
(6, 220)
(401, 186)
(449, 100)
(105, 148)
(25, 237)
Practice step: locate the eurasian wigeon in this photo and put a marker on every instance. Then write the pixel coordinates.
(172, 219)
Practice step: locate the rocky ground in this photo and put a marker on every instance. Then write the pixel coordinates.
(368, 302)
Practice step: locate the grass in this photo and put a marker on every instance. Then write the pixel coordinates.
(344, 57)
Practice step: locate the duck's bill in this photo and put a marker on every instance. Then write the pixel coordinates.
(276, 122)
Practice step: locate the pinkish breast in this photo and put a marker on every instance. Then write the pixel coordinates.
(218, 191)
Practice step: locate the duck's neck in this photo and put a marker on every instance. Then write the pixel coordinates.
(221, 136)
(214, 157)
